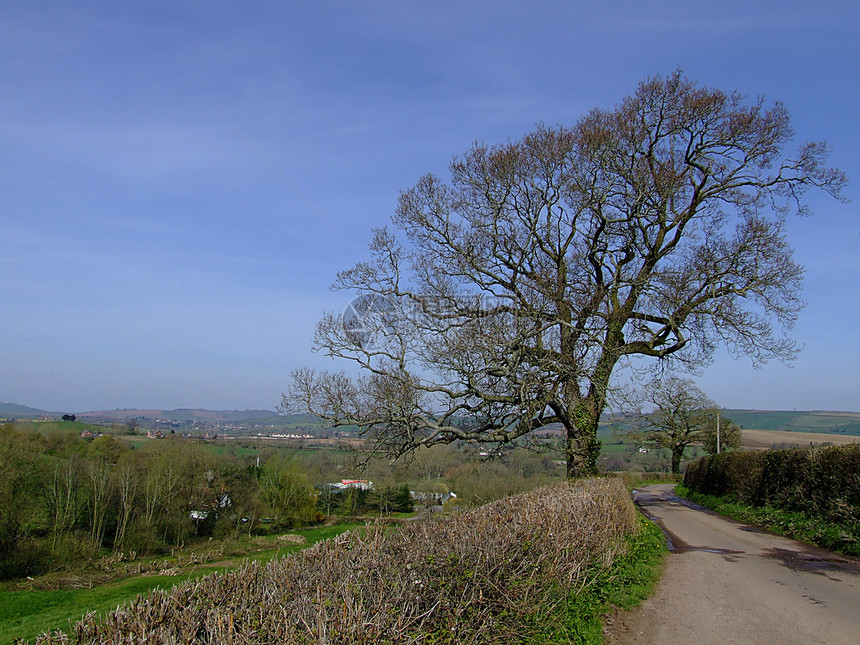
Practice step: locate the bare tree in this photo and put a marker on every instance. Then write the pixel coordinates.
(97, 473)
(60, 498)
(505, 299)
(680, 417)
(126, 480)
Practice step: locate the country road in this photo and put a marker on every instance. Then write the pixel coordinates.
(727, 582)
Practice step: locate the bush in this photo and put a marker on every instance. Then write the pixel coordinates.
(27, 557)
(821, 483)
(143, 538)
(474, 576)
(75, 549)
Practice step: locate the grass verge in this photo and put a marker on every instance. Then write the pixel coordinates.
(790, 524)
(26, 614)
(630, 579)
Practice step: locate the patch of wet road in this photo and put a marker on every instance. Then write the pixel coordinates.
(813, 560)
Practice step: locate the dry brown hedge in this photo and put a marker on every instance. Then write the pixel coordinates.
(471, 577)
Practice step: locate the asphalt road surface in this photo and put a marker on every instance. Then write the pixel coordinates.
(727, 582)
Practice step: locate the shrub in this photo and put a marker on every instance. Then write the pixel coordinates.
(27, 557)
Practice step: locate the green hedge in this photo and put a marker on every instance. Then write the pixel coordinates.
(817, 482)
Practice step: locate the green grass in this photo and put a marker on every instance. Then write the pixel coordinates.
(135, 441)
(843, 539)
(26, 614)
(630, 579)
(219, 449)
(235, 450)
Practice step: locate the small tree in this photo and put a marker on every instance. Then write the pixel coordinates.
(731, 436)
(679, 418)
(391, 499)
(286, 493)
(403, 502)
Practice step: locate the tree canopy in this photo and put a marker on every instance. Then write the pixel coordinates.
(680, 416)
(504, 299)
(723, 438)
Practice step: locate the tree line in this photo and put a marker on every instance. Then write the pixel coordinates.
(65, 500)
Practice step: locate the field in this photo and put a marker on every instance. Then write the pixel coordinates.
(764, 439)
(843, 423)
(60, 427)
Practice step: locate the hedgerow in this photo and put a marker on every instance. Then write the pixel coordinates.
(473, 577)
(818, 483)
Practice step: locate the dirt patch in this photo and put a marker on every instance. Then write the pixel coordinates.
(221, 563)
(763, 439)
(292, 538)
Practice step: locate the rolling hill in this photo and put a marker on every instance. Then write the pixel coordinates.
(15, 411)
(815, 421)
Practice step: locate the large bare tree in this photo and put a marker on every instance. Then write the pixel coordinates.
(504, 299)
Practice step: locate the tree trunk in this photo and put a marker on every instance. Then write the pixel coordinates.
(677, 454)
(582, 447)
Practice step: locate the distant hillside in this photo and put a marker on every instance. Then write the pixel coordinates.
(17, 411)
(236, 422)
(13, 410)
(184, 414)
(847, 423)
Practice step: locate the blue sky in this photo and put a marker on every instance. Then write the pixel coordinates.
(150, 256)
